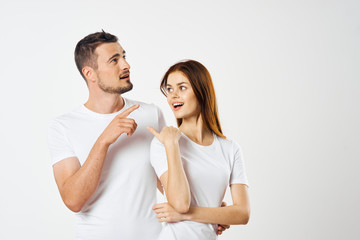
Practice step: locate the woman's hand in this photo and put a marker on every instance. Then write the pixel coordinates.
(221, 228)
(166, 213)
(168, 135)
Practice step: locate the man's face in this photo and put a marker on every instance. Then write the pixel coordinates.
(113, 72)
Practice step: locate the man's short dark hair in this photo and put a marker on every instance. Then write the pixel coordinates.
(85, 49)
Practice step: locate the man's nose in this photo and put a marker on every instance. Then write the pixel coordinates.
(124, 64)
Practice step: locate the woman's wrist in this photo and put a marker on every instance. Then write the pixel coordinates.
(171, 143)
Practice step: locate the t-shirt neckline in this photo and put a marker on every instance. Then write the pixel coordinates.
(104, 115)
(211, 146)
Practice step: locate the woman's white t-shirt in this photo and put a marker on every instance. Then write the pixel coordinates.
(209, 170)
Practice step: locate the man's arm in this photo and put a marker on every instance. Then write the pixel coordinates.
(78, 183)
(238, 213)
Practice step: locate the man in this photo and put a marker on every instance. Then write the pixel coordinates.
(100, 151)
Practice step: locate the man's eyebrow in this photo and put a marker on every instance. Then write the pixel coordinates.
(113, 56)
(116, 55)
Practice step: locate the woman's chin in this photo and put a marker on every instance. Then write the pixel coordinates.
(178, 115)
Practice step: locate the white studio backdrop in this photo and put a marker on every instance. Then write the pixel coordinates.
(287, 78)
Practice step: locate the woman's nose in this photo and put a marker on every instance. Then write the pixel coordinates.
(175, 94)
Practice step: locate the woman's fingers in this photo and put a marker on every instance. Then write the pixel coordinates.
(161, 215)
(222, 228)
(160, 210)
(159, 205)
(154, 132)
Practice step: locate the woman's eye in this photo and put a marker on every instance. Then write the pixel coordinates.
(182, 88)
(169, 90)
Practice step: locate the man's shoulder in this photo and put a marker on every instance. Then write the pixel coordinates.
(66, 117)
(146, 106)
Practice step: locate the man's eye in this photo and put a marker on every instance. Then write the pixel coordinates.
(115, 60)
(124, 57)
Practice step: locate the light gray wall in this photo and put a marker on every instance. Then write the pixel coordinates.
(287, 80)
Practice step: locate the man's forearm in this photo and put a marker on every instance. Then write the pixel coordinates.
(79, 188)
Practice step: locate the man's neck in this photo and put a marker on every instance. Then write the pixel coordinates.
(108, 103)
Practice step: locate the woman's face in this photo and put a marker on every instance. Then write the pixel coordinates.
(181, 97)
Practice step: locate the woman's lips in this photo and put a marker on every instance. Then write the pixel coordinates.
(177, 105)
(176, 108)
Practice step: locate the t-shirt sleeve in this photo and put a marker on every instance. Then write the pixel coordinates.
(59, 145)
(161, 119)
(158, 157)
(238, 174)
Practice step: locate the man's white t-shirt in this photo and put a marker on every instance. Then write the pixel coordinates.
(121, 207)
(209, 170)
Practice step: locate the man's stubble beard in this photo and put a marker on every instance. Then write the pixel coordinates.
(112, 90)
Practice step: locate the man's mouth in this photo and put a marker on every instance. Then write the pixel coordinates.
(177, 105)
(125, 76)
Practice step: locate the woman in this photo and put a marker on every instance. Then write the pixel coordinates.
(196, 163)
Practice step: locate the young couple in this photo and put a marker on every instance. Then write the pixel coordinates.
(104, 154)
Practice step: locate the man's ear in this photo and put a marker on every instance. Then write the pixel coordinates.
(89, 73)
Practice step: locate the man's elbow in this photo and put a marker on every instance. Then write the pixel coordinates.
(73, 205)
(75, 209)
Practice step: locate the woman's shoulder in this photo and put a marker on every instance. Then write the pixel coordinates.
(226, 141)
(228, 144)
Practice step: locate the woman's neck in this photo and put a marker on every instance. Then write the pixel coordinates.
(194, 129)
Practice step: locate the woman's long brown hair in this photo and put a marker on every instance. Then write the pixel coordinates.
(203, 88)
